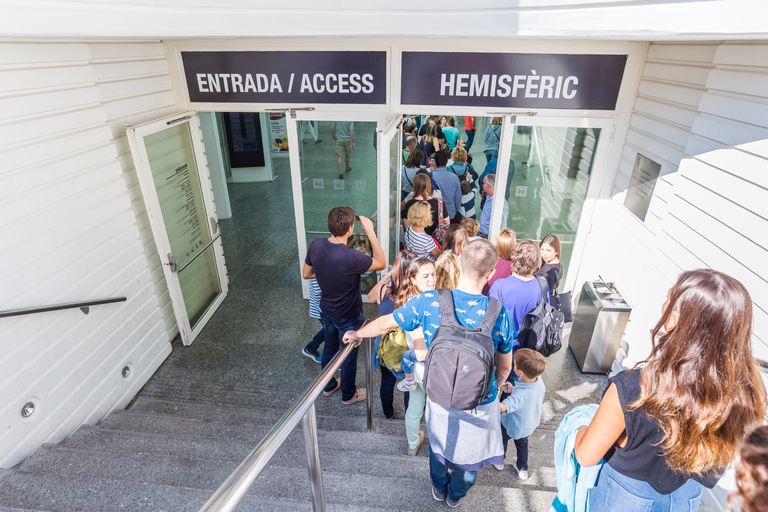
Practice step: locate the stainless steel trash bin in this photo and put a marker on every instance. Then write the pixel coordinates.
(598, 325)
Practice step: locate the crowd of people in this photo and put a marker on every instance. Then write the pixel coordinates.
(663, 430)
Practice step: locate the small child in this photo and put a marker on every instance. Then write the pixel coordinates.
(521, 411)
(420, 216)
(467, 209)
(408, 363)
(752, 473)
(314, 312)
(473, 228)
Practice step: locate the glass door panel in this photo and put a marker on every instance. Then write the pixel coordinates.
(546, 191)
(336, 173)
(167, 155)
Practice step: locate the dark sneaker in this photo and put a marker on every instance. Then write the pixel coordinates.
(451, 503)
(439, 496)
(312, 355)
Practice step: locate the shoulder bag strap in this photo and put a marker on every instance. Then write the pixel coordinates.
(405, 171)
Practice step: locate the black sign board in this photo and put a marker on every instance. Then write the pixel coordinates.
(286, 77)
(641, 185)
(512, 80)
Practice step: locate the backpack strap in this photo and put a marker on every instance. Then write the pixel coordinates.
(447, 313)
(538, 310)
(491, 316)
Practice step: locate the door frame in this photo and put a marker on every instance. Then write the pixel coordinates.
(599, 170)
(382, 204)
(136, 136)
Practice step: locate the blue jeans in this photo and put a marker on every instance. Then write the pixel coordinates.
(334, 331)
(470, 138)
(408, 362)
(314, 345)
(615, 491)
(456, 483)
(491, 154)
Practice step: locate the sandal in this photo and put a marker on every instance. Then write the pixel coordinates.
(329, 393)
(359, 396)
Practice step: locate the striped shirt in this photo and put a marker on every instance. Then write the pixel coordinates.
(420, 243)
(467, 209)
(314, 299)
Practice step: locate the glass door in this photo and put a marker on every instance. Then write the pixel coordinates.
(549, 183)
(338, 170)
(167, 154)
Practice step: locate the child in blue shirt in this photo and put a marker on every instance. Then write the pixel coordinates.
(521, 411)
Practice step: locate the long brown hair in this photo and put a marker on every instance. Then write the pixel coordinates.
(401, 286)
(701, 383)
(414, 159)
(455, 238)
(422, 186)
(406, 290)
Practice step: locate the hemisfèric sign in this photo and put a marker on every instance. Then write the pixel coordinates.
(286, 77)
(509, 80)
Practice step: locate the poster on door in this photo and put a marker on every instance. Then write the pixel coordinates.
(278, 134)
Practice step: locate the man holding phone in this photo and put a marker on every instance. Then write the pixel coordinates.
(338, 270)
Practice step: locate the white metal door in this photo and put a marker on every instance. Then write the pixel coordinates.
(390, 161)
(168, 156)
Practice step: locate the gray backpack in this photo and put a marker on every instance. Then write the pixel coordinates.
(460, 362)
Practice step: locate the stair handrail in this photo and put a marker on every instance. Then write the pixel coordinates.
(84, 306)
(231, 492)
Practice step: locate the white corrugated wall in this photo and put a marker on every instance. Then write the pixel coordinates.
(73, 227)
(702, 113)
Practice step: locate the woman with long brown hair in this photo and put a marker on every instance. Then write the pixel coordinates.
(675, 421)
(422, 191)
(409, 276)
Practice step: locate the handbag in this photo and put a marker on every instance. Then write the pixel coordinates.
(439, 233)
(562, 303)
(391, 349)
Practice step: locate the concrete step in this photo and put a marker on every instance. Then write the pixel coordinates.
(207, 473)
(205, 438)
(275, 487)
(54, 493)
(238, 414)
(217, 393)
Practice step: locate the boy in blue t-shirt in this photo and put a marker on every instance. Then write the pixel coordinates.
(521, 411)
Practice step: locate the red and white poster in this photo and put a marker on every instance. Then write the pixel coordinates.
(278, 135)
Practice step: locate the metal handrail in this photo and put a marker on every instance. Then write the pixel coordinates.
(229, 494)
(84, 306)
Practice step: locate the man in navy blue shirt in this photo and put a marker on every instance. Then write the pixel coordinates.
(337, 270)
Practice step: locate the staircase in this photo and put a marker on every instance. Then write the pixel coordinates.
(172, 455)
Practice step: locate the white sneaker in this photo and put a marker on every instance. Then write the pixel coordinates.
(404, 386)
(522, 475)
(499, 467)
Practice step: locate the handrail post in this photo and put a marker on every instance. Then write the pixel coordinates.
(309, 425)
(369, 383)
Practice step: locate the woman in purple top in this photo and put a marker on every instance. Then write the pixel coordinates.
(520, 292)
(505, 244)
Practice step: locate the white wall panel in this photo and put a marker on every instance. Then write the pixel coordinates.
(75, 228)
(701, 112)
